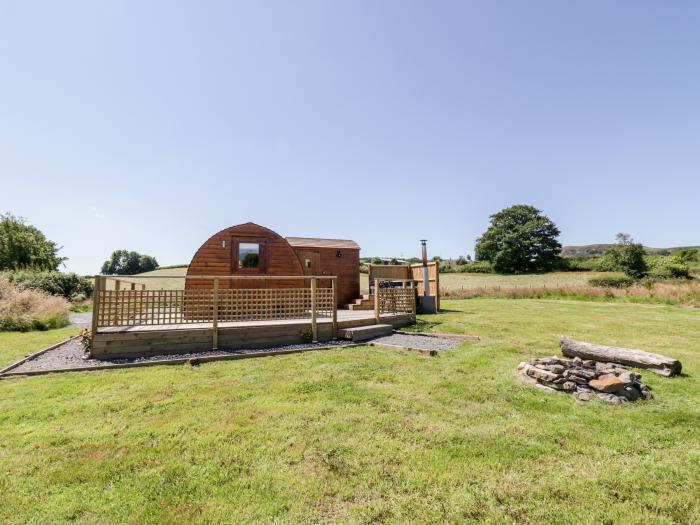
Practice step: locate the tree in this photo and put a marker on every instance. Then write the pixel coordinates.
(376, 260)
(22, 246)
(625, 256)
(520, 239)
(124, 262)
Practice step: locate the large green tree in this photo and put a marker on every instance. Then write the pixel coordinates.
(125, 262)
(520, 239)
(22, 246)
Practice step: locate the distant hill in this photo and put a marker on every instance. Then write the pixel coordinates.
(595, 250)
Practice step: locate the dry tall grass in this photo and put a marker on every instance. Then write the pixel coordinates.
(671, 292)
(26, 309)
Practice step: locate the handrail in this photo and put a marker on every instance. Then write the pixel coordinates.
(251, 277)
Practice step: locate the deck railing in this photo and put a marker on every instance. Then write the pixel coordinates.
(125, 307)
(121, 307)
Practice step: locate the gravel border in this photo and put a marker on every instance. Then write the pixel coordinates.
(69, 356)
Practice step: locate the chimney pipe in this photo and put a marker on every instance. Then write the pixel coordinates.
(426, 280)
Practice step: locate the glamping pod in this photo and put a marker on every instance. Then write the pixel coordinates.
(250, 250)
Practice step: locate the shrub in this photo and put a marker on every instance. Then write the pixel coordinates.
(625, 256)
(477, 267)
(611, 281)
(668, 268)
(69, 285)
(447, 268)
(688, 255)
(23, 309)
(579, 264)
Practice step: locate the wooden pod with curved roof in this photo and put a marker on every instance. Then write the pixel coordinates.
(250, 249)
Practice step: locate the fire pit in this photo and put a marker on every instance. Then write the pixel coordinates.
(585, 379)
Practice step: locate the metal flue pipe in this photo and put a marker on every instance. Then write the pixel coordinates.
(426, 279)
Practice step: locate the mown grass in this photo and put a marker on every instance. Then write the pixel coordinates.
(16, 345)
(365, 434)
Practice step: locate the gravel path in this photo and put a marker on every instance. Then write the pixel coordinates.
(419, 342)
(70, 354)
(80, 319)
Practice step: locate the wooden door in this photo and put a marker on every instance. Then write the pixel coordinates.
(310, 262)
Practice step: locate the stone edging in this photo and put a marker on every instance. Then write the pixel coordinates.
(431, 353)
(442, 336)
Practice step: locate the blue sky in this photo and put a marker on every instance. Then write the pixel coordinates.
(151, 125)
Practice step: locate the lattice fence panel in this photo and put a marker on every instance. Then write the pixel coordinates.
(396, 300)
(166, 307)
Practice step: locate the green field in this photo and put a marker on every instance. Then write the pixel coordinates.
(162, 283)
(365, 435)
(459, 281)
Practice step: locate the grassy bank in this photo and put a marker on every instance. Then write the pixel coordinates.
(365, 434)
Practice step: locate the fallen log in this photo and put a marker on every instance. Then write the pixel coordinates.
(656, 363)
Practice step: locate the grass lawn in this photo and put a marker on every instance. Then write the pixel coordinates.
(366, 434)
(16, 345)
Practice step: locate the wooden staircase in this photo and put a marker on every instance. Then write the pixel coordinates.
(366, 302)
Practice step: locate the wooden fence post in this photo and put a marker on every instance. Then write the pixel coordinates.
(376, 300)
(215, 316)
(96, 303)
(335, 307)
(314, 327)
(413, 300)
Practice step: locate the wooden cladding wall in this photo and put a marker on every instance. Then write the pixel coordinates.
(433, 279)
(216, 257)
(388, 271)
(341, 262)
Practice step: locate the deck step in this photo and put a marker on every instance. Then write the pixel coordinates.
(362, 333)
(365, 302)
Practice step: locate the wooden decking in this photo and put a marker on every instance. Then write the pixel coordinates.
(132, 341)
(346, 319)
